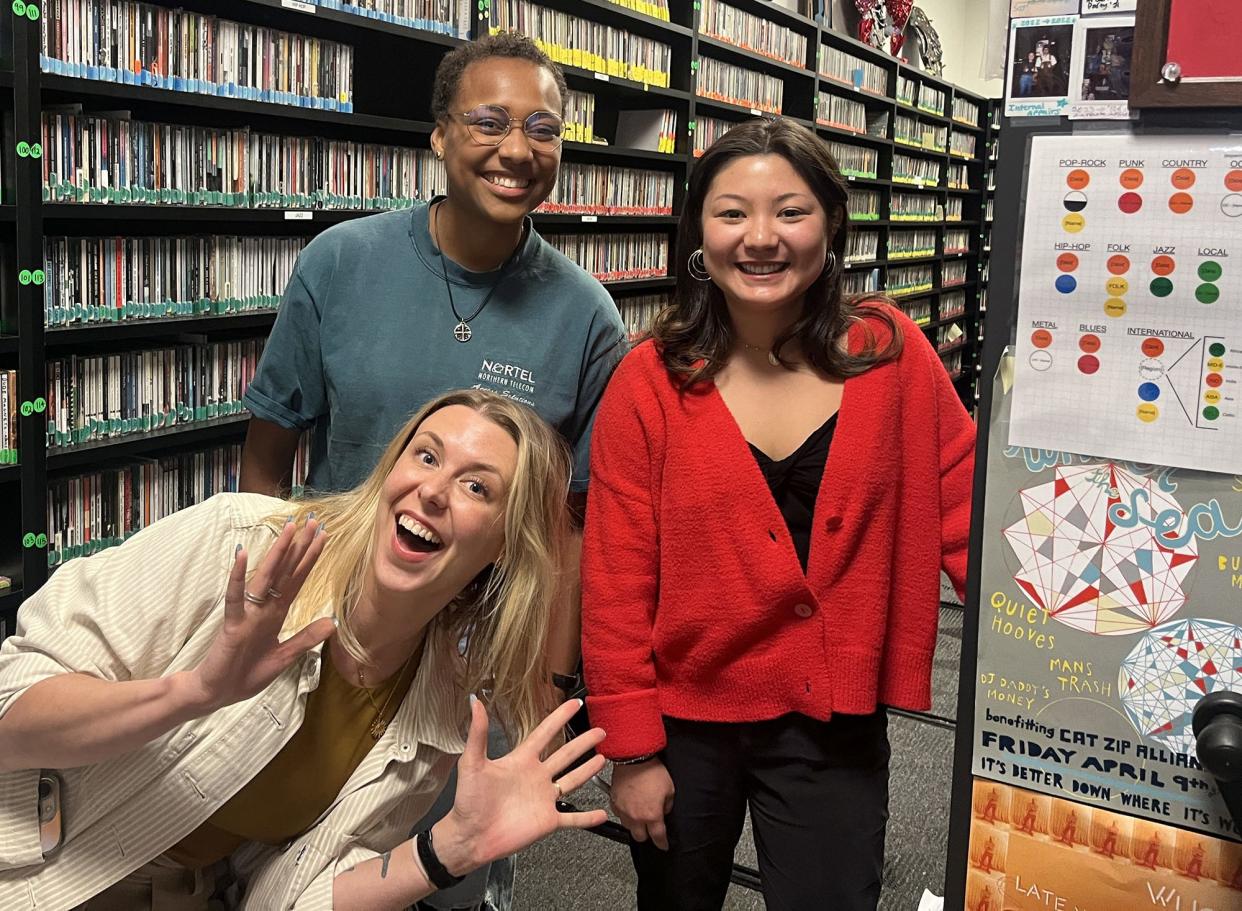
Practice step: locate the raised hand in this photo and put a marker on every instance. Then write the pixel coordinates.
(507, 804)
(247, 653)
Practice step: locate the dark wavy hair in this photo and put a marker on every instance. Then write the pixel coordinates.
(502, 44)
(694, 332)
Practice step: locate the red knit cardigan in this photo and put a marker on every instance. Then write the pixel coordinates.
(694, 604)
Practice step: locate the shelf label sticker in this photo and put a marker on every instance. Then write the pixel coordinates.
(590, 218)
(19, 7)
(756, 112)
(298, 215)
(299, 6)
(603, 77)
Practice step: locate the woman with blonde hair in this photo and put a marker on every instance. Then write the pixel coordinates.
(255, 700)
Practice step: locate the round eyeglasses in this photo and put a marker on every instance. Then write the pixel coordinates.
(489, 124)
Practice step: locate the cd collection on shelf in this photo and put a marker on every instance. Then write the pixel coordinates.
(961, 144)
(956, 240)
(842, 113)
(862, 247)
(706, 130)
(953, 273)
(847, 69)
(864, 205)
(915, 207)
(10, 412)
(953, 208)
(952, 304)
(952, 363)
(753, 33)
(600, 189)
(638, 310)
(105, 396)
(574, 41)
(965, 111)
(720, 81)
(98, 159)
(579, 116)
(855, 161)
(931, 100)
(911, 244)
(616, 257)
(142, 44)
(959, 177)
(922, 172)
(861, 282)
(446, 17)
(918, 310)
(115, 279)
(910, 280)
(948, 336)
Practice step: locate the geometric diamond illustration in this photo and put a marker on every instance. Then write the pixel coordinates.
(1087, 572)
(1171, 669)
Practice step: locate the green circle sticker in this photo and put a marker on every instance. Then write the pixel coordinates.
(1217, 349)
(27, 409)
(1211, 412)
(28, 539)
(41, 540)
(23, 277)
(19, 7)
(1161, 287)
(1209, 270)
(36, 150)
(1207, 293)
(23, 149)
(37, 276)
(32, 11)
(40, 405)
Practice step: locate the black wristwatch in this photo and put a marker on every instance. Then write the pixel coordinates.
(436, 872)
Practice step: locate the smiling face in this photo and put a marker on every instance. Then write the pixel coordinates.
(440, 520)
(500, 183)
(766, 235)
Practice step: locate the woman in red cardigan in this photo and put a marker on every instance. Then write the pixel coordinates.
(779, 476)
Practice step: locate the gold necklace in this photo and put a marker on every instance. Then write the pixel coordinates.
(771, 355)
(379, 725)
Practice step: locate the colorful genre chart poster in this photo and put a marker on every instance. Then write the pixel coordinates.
(1039, 66)
(1203, 39)
(1111, 603)
(1030, 852)
(1129, 340)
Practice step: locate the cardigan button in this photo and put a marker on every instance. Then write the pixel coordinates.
(803, 610)
(832, 523)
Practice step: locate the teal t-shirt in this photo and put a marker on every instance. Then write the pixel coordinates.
(364, 337)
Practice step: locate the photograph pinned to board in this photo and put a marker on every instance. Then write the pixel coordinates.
(1026, 9)
(1039, 74)
(1104, 7)
(1100, 70)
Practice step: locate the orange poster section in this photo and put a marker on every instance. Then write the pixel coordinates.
(1205, 37)
(1033, 851)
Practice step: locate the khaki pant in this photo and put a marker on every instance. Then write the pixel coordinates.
(161, 885)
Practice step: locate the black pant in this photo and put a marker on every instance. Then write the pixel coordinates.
(818, 798)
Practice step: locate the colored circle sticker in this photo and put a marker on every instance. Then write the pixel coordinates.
(1067, 262)
(1214, 380)
(1129, 203)
(1181, 203)
(1207, 293)
(1216, 349)
(1151, 369)
(28, 539)
(1075, 201)
(1152, 347)
(1066, 284)
(1073, 223)
(1212, 397)
(1041, 360)
(1116, 286)
(1118, 264)
(1233, 180)
(1231, 205)
(1211, 412)
(1131, 178)
(1149, 392)
(1089, 343)
(1163, 265)
(1041, 338)
(1147, 412)
(1077, 179)
(1089, 364)
(19, 7)
(1215, 363)
(1209, 270)
(1182, 178)
(1161, 287)
(1115, 307)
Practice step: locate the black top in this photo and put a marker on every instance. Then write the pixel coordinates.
(794, 482)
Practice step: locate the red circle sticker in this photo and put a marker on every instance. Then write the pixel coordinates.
(1089, 364)
(1118, 264)
(1089, 343)
(1067, 262)
(1214, 380)
(1077, 179)
(1163, 265)
(1131, 178)
(1183, 178)
(1041, 338)
(1153, 347)
(1181, 203)
(1233, 180)
(1129, 203)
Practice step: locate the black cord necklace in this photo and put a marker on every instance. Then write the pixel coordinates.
(462, 331)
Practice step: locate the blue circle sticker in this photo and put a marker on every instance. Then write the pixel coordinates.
(1066, 283)
(1149, 392)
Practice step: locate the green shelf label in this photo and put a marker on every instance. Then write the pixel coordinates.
(37, 276)
(23, 277)
(40, 405)
(19, 7)
(36, 150)
(41, 540)
(32, 12)
(27, 409)
(23, 149)
(28, 539)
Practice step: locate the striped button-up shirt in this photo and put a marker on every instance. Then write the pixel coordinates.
(152, 607)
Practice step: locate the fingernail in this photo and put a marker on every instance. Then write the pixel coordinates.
(336, 621)
(288, 519)
(581, 702)
(237, 550)
(473, 699)
(309, 516)
(319, 530)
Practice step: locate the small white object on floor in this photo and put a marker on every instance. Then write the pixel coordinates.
(931, 902)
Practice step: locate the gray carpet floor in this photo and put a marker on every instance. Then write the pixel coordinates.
(578, 871)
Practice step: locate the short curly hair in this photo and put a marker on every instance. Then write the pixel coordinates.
(502, 44)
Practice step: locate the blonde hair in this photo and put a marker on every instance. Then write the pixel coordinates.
(503, 616)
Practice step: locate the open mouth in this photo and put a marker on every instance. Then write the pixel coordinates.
(762, 268)
(417, 537)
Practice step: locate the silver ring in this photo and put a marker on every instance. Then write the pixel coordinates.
(252, 599)
(560, 795)
(272, 593)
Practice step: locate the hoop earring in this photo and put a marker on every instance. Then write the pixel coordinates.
(697, 268)
(830, 263)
